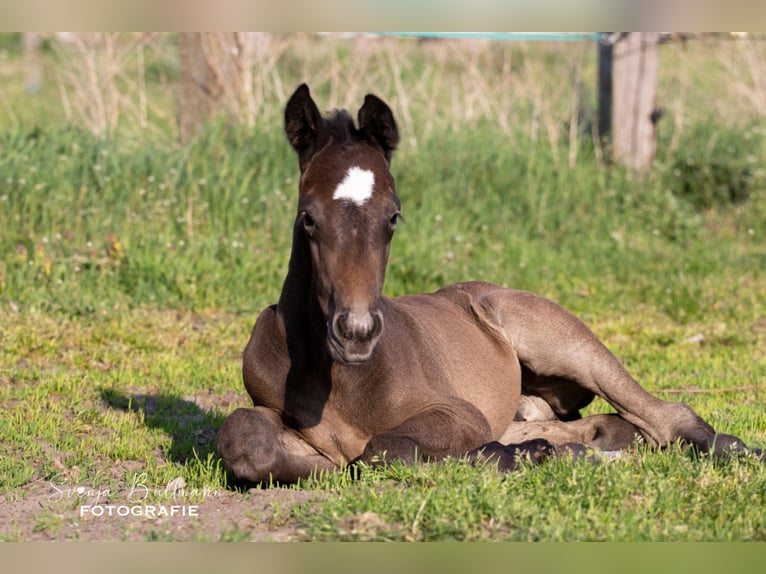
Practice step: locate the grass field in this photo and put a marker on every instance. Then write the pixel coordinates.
(133, 268)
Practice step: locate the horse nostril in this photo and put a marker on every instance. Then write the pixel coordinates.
(377, 324)
(339, 325)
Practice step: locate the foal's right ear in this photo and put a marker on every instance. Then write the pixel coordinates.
(303, 121)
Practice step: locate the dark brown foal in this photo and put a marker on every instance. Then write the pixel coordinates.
(338, 373)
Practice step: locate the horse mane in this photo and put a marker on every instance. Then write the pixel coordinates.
(339, 126)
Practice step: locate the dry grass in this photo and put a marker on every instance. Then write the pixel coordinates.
(543, 92)
(102, 80)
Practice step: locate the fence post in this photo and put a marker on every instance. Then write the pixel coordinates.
(216, 78)
(32, 61)
(198, 86)
(605, 45)
(629, 68)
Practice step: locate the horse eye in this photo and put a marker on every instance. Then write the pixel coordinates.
(394, 219)
(308, 222)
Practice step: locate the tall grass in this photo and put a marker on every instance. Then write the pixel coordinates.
(498, 172)
(91, 224)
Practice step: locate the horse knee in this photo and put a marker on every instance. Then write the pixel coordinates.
(248, 444)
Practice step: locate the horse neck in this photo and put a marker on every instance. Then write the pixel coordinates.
(298, 303)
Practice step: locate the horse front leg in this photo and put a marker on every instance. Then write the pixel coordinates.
(257, 447)
(436, 431)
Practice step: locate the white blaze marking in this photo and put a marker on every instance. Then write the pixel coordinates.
(356, 186)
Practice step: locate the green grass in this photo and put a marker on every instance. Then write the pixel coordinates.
(133, 267)
(88, 397)
(647, 497)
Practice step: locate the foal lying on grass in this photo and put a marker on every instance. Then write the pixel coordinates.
(338, 373)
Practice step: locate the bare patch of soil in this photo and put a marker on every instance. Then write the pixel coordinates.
(38, 512)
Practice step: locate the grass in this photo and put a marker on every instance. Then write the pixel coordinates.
(86, 397)
(646, 497)
(133, 268)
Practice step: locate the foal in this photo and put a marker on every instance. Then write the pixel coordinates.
(339, 373)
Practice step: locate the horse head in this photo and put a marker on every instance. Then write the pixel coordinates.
(347, 215)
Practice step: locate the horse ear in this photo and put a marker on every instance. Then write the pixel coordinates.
(376, 119)
(303, 122)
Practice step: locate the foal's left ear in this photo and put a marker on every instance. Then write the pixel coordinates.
(376, 119)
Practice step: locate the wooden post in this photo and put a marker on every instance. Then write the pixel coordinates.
(627, 90)
(199, 86)
(634, 91)
(32, 61)
(605, 45)
(216, 77)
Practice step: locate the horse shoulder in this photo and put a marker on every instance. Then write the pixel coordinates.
(469, 354)
(266, 361)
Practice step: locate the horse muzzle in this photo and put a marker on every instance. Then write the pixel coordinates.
(353, 334)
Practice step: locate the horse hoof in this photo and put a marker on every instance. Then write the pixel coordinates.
(758, 453)
(494, 453)
(726, 444)
(508, 457)
(573, 450)
(535, 450)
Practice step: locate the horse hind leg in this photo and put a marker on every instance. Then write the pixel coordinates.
(551, 342)
(256, 446)
(533, 408)
(550, 398)
(603, 432)
(536, 441)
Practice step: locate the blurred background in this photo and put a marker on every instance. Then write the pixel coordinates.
(151, 167)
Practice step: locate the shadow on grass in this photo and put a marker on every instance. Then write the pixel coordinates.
(192, 428)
